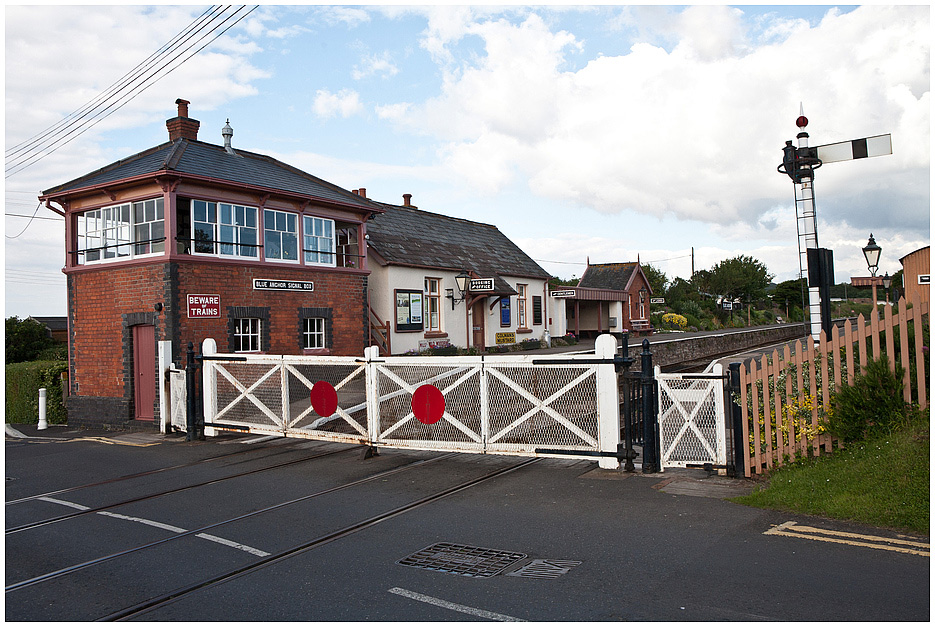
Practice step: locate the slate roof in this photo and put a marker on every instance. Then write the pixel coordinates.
(53, 323)
(411, 237)
(608, 276)
(195, 158)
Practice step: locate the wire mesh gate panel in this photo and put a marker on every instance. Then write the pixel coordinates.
(691, 419)
(499, 405)
(273, 394)
(487, 405)
(178, 400)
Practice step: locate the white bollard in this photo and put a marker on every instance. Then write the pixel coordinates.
(43, 423)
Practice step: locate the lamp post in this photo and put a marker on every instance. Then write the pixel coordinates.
(461, 280)
(887, 281)
(872, 255)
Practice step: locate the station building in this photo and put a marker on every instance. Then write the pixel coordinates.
(416, 259)
(609, 298)
(917, 275)
(189, 240)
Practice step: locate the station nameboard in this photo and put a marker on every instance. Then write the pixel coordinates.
(204, 305)
(657, 301)
(279, 284)
(481, 285)
(563, 293)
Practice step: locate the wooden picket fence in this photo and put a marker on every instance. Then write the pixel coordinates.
(783, 396)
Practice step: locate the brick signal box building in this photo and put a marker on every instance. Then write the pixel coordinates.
(189, 240)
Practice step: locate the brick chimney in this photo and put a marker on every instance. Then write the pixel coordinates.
(407, 200)
(182, 126)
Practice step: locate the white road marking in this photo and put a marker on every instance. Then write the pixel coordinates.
(231, 543)
(151, 523)
(49, 499)
(159, 525)
(448, 605)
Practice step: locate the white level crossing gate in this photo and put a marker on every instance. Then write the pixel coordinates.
(692, 419)
(485, 404)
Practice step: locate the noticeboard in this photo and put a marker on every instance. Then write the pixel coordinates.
(408, 310)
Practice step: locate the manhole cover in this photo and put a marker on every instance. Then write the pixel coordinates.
(460, 559)
(544, 569)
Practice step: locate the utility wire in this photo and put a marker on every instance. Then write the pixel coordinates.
(91, 105)
(152, 78)
(27, 224)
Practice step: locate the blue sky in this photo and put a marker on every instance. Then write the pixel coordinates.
(601, 133)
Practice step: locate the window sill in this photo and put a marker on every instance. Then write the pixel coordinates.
(433, 335)
(316, 351)
(523, 330)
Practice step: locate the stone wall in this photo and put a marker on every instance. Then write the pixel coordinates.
(668, 350)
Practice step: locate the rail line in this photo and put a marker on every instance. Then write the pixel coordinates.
(137, 475)
(100, 560)
(181, 592)
(154, 495)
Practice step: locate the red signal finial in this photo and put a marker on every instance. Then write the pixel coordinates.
(801, 121)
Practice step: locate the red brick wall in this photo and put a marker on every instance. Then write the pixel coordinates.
(343, 292)
(100, 299)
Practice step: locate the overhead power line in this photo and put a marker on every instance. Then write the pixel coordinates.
(162, 63)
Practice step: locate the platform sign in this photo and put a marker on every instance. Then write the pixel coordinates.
(563, 293)
(283, 284)
(481, 285)
(657, 301)
(204, 305)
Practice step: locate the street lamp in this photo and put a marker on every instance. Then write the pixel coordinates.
(872, 255)
(887, 281)
(461, 280)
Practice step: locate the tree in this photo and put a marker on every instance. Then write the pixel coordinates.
(25, 339)
(657, 279)
(555, 281)
(701, 281)
(791, 293)
(680, 291)
(740, 278)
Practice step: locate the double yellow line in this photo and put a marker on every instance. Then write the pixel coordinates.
(795, 530)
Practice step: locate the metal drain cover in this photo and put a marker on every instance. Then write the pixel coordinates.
(544, 569)
(460, 559)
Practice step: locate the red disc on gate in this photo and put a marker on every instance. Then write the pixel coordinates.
(324, 399)
(428, 404)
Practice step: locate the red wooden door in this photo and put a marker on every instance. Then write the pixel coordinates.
(144, 370)
(477, 323)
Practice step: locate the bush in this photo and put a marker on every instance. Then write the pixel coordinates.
(25, 339)
(872, 405)
(449, 350)
(530, 344)
(23, 381)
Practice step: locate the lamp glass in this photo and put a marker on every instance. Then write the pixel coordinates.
(872, 255)
(462, 280)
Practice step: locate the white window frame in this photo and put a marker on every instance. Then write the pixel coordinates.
(280, 217)
(432, 301)
(218, 225)
(113, 232)
(521, 305)
(252, 334)
(313, 332)
(310, 236)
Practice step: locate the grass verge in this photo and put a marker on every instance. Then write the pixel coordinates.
(882, 481)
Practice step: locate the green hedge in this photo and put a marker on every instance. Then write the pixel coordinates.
(23, 381)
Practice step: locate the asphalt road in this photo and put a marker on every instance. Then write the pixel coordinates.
(595, 545)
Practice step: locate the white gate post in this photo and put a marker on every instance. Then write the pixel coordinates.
(165, 363)
(608, 402)
(209, 385)
(371, 354)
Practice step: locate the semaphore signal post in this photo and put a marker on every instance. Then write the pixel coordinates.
(799, 163)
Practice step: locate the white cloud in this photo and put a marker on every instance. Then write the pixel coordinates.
(695, 132)
(373, 64)
(345, 103)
